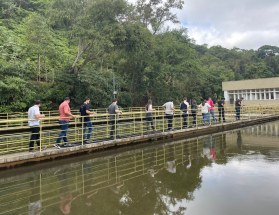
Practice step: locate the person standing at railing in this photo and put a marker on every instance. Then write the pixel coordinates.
(194, 110)
(34, 115)
(149, 117)
(169, 108)
(113, 111)
(221, 109)
(238, 105)
(211, 103)
(85, 119)
(64, 111)
(184, 107)
(205, 107)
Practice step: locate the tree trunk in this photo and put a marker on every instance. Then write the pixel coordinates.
(45, 69)
(39, 68)
(102, 63)
(53, 75)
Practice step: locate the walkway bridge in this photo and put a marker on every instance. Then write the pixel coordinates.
(132, 127)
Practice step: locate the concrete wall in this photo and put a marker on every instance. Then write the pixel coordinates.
(251, 84)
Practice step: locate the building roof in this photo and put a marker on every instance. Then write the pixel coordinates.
(261, 83)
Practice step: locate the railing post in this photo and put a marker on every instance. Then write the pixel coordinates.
(41, 124)
(115, 120)
(75, 129)
(141, 126)
(163, 123)
(82, 132)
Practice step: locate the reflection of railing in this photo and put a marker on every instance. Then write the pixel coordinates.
(87, 177)
(129, 124)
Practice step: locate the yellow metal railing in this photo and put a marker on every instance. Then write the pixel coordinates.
(14, 138)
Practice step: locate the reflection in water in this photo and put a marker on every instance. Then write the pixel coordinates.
(167, 178)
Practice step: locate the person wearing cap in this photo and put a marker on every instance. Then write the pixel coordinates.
(169, 108)
(85, 119)
(65, 114)
(34, 116)
(238, 105)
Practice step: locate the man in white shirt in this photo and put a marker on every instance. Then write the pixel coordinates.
(34, 123)
(169, 108)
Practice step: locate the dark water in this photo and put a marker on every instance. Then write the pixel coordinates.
(235, 172)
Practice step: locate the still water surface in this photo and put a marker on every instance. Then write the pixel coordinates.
(235, 172)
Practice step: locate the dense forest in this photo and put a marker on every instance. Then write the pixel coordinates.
(50, 49)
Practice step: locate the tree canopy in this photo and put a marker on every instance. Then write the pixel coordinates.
(50, 49)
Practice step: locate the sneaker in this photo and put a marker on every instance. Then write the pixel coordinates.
(68, 145)
(43, 148)
(185, 127)
(118, 137)
(111, 138)
(33, 151)
(57, 146)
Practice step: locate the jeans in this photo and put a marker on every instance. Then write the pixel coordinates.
(213, 115)
(237, 109)
(185, 116)
(194, 118)
(221, 113)
(34, 137)
(90, 129)
(64, 128)
(113, 127)
(149, 119)
(170, 117)
(206, 116)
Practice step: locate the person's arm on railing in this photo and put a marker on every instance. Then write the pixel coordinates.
(40, 116)
(68, 113)
(118, 111)
(89, 112)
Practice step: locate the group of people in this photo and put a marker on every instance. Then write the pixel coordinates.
(65, 115)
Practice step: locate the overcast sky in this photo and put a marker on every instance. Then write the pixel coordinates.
(246, 24)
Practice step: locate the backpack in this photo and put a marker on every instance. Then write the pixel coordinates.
(194, 108)
(183, 106)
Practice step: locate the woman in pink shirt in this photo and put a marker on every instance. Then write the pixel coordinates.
(210, 102)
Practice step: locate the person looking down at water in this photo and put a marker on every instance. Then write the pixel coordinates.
(113, 111)
(169, 108)
(34, 116)
(221, 109)
(149, 117)
(87, 123)
(184, 107)
(211, 103)
(65, 114)
(238, 105)
(205, 107)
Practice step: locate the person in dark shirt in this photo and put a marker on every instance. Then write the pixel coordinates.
(221, 109)
(85, 119)
(238, 105)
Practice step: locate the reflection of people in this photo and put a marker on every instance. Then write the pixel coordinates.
(171, 166)
(152, 172)
(209, 150)
(116, 187)
(66, 197)
(239, 140)
(188, 166)
(35, 205)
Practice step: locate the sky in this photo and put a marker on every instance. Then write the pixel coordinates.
(246, 24)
